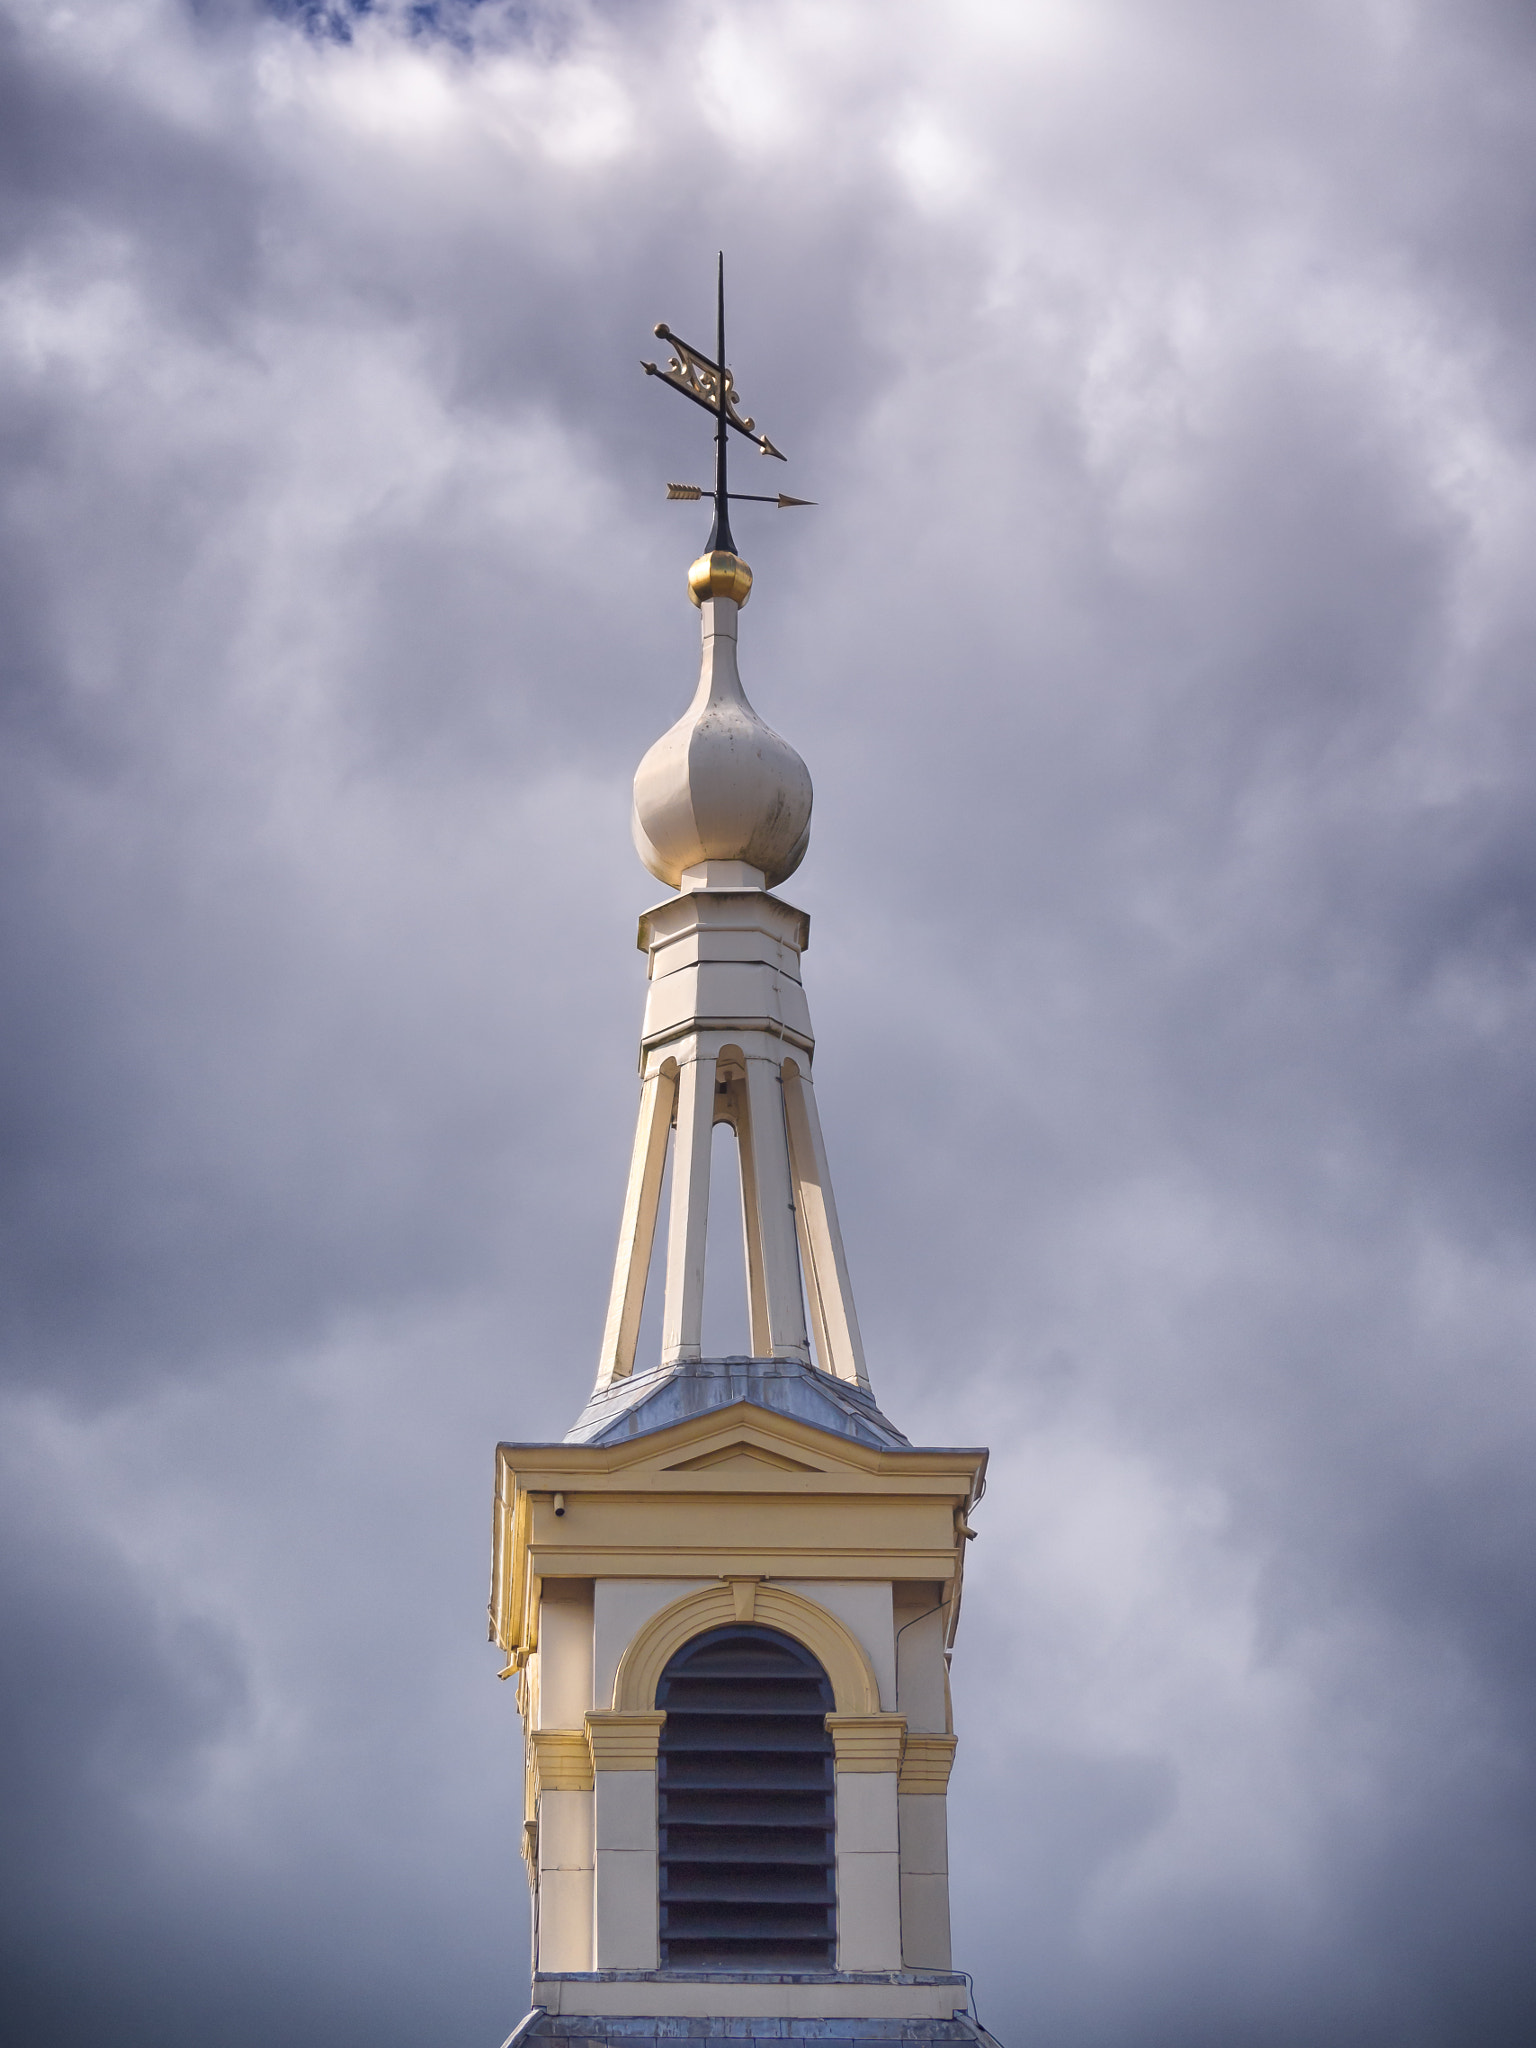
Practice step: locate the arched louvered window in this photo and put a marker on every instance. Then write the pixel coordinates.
(744, 1784)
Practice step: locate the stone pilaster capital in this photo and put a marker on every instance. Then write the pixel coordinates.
(867, 1742)
(623, 1742)
(560, 1760)
(925, 1763)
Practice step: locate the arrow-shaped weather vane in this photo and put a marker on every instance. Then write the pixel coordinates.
(710, 384)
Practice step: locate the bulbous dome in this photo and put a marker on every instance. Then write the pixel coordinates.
(721, 785)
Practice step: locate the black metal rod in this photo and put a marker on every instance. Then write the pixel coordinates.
(720, 536)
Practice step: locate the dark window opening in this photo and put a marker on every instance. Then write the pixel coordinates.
(745, 1806)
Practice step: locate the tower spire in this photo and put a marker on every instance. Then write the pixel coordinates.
(722, 814)
(727, 1596)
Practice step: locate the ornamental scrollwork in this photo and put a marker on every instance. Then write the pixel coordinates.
(698, 376)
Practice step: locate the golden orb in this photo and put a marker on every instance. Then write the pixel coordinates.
(719, 575)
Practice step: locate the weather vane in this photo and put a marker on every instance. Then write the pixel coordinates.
(710, 384)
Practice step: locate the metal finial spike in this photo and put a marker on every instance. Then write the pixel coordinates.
(721, 539)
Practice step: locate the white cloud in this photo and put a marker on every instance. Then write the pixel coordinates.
(1160, 648)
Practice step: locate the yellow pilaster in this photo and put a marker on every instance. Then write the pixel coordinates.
(925, 1764)
(623, 1742)
(867, 1742)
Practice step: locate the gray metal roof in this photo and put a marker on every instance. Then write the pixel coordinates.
(671, 1393)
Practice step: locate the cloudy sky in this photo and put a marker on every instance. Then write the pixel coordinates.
(1162, 650)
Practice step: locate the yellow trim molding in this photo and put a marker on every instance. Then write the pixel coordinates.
(744, 1593)
(835, 1647)
(561, 1760)
(867, 1742)
(623, 1741)
(790, 1501)
(925, 1763)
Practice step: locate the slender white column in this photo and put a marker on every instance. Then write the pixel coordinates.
(725, 1007)
(779, 1255)
(812, 1292)
(682, 1316)
(827, 1266)
(637, 1229)
(757, 1292)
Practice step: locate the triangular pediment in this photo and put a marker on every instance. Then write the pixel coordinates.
(742, 1448)
(705, 1496)
(742, 1452)
(775, 1450)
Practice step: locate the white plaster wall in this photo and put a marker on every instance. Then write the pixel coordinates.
(565, 1656)
(565, 1831)
(627, 1912)
(923, 1824)
(625, 1889)
(619, 1608)
(565, 1881)
(925, 1923)
(626, 1810)
(868, 1872)
(866, 1812)
(864, 1608)
(921, 1693)
(922, 1819)
(565, 1920)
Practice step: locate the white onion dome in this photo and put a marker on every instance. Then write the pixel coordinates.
(721, 785)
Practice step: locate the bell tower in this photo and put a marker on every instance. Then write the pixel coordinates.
(729, 1594)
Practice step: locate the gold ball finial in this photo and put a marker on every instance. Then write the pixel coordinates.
(719, 575)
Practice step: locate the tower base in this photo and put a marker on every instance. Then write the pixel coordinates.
(649, 2005)
(700, 2008)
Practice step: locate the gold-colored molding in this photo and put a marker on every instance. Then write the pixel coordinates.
(621, 1741)
(719, 575)
(560, 1759)
(692, 1556)
(925, 1763)
(816, 1506)
(744, 1593)
(867, 1742)
(835, 1647)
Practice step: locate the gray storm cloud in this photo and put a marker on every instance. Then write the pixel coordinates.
(1161, 648)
